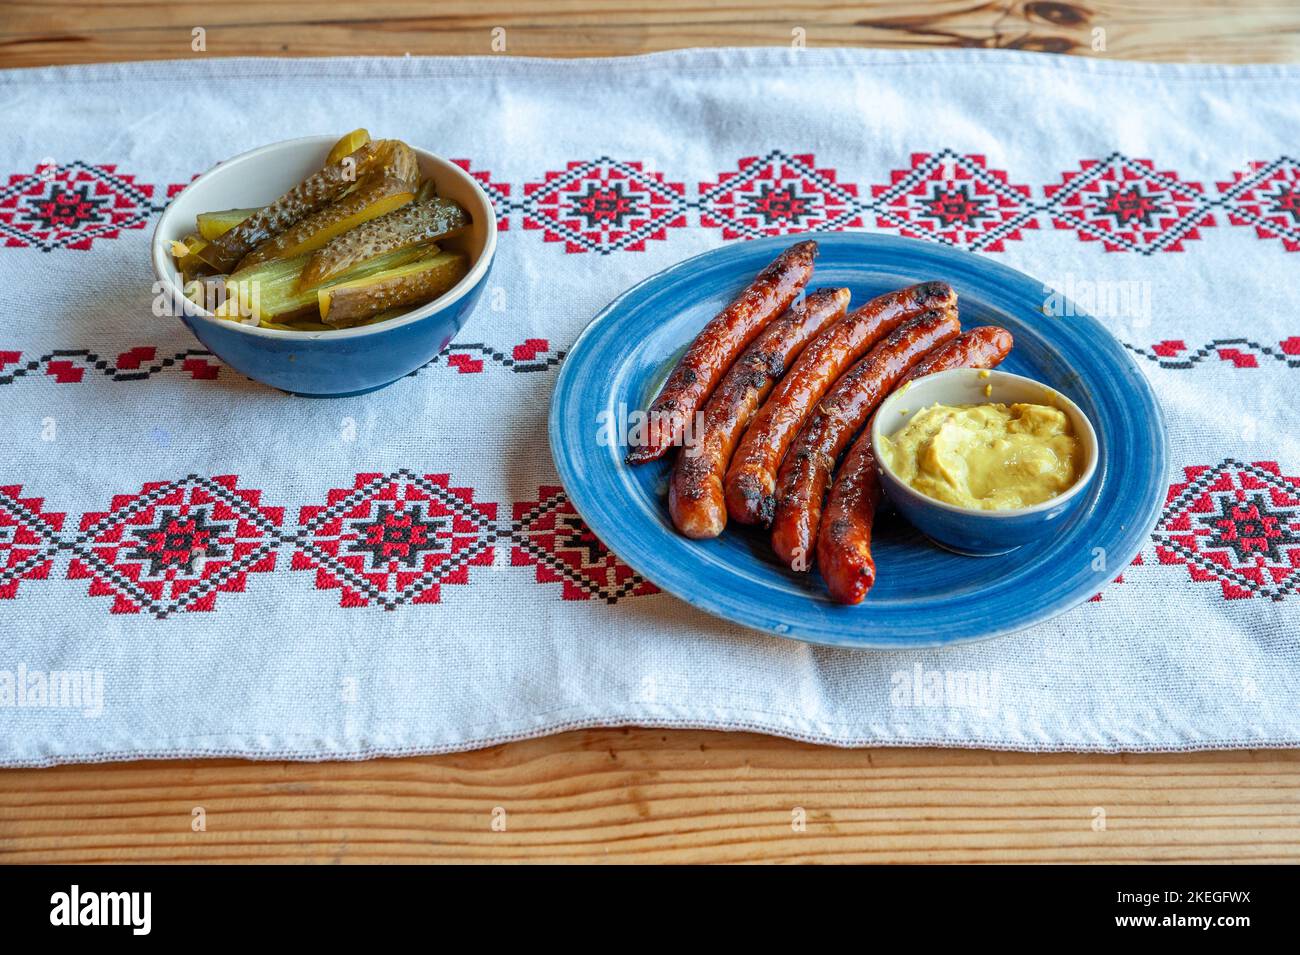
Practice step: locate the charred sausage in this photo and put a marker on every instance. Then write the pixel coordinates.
(844, 541)
(695, 491)
(751, 479)
(716, 347)
(806, 471)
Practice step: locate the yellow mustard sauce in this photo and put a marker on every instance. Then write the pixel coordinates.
(991, 457)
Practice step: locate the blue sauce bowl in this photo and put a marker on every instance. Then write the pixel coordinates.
(323, 363)
(966, 530)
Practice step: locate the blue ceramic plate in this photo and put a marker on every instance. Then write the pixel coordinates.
(924, 596)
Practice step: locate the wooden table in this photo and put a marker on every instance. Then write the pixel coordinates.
(39, 32)
(649, 795)
(655, 796)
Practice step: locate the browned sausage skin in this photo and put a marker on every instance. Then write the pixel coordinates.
(806, 471)
(982, 347)
(695, 491)
(751, 479)
(844, 541)
(716, 347)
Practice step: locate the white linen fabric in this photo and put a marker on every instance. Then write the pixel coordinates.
(1166, 197)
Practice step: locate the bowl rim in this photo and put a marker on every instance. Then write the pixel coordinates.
(165, 271)
(1051, 504)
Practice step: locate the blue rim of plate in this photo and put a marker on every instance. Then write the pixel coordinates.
(924, 597)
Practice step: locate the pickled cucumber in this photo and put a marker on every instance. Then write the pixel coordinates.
(187, 246)
(375, 199)
(182, 247)
(344, 247)
(415, 224)
(352, 302)
(270, 291)
(186, 253)
(265, 292)
(207, 293)
(348, 145)
(313, 193)
(213, 224)
(392, 184)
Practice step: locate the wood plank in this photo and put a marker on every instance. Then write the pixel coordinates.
(653, 796)
(33, 34)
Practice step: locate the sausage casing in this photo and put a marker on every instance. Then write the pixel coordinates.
(844, 540)
(751, 479)
(695, 498)
(716, 347)
(805, 473)
(982, 347)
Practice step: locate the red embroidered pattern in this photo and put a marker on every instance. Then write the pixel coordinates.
(175, 545)
(29, 539)
(604, 205)
(497, 192)
(1127, 206)
(608, 205)
(1239, 352)
(70, 206)
(549, 535)
(395, 539)
(386, 541)
(403, 538)
(777, 195)
(956, 200)
(1236, 525)
(1266, 198)
(72, 366)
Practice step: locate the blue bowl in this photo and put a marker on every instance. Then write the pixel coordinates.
(965, 530)
(322, 363)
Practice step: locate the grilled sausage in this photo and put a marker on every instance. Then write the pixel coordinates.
(751, 479)
(982, 347)
(716, 347)
(695, 491)
(844, 541)
(806, 471)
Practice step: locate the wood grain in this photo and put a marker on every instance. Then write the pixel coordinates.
(38, 32)
(651, 796)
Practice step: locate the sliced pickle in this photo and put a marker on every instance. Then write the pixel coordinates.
(415, 224)
(208, 293)
(376, 198)
(194, 291)
(350, 303)
(214, 224)
(386, 189)
(313, 193)
(348, 145)
(428, 189)
(185, 246)
(270, 291)
(186, 253)
(262, 293)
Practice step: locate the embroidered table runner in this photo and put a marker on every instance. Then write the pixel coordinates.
(1165, 199)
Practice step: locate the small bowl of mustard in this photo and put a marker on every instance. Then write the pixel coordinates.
(983, 461)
